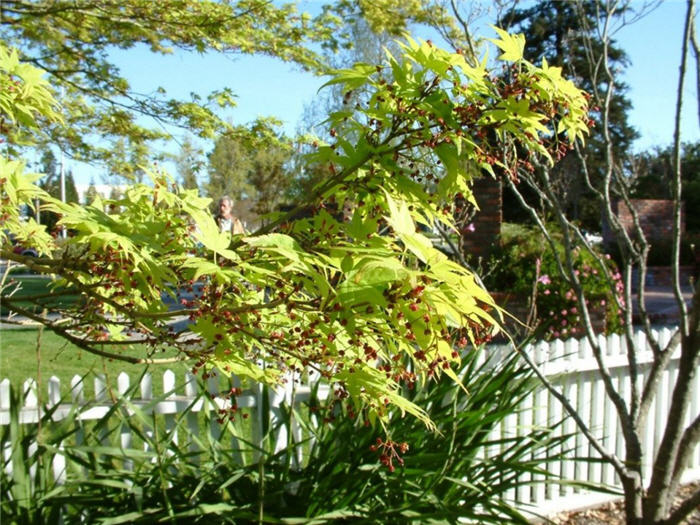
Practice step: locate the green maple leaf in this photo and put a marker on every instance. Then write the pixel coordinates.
(512, 46)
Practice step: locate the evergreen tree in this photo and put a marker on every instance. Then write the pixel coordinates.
(653, 172)
(228, 165)
(51, 183)
(256, 170)
(188, 164)
(91, 193)
(563, 33)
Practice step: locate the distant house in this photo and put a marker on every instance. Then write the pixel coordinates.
(103, 190)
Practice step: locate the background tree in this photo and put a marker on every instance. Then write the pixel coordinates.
(51, 183)
(72, 42)
(254, 167)
(653, 179)
(227, 169)
(269, 173)
(366, 44)
(91, 193)
(188, 164)
(365, 301)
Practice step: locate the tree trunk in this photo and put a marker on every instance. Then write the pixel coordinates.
(634, 492)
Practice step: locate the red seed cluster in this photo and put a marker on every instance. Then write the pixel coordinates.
(390, 451)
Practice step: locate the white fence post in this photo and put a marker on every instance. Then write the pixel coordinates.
(59, 460)
(169, 390)
(191, 393)
(540, 422)
(5, 409)
(125, 437)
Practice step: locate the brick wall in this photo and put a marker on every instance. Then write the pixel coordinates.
(655, 217)
(487, 221)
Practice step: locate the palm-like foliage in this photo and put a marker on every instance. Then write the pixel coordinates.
(459, 472)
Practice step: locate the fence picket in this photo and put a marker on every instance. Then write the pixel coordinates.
(78, 399)
(100, 388)
(5, 395)
(695, 409)
(30, 398)
(662, 406)
(597, 403)
(648, 431)
(585, 392)
(76, 390)
(125, 437)
(542, 351)
(146, 387)
(568, 470)
(191, 393)
(123, 383)
(170, 409)
(610, 429)
(510, 430)
(54, 391)
(525, 424)
(211, 405)
(5, 420)
(559, 351)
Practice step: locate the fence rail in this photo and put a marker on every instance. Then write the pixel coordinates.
(569, 364)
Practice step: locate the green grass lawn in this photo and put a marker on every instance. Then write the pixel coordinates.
(57, 357)
(35, 285)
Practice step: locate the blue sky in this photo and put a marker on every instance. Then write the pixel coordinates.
(654, 47)
(268, 87)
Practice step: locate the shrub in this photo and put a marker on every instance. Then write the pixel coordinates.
(465, 471)
(523, 264)
(660, 251)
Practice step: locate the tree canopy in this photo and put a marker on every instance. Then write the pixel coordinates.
(343, 285)
(72, 42)
(565, 33)
(653, 172)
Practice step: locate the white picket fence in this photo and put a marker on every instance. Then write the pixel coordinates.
(569, 364)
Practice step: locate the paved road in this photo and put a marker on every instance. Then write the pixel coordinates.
(661, 302)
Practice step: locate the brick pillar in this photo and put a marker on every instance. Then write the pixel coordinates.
(655, 218)
(487, 221)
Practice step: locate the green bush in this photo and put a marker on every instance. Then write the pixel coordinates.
(524, 265)
(460, 472)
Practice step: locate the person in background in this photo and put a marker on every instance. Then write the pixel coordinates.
(226, 220)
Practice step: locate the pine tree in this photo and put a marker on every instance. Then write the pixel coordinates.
(91, 193)
(188, 164)
(563, 33)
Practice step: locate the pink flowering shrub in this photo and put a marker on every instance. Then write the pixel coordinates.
(558, 308)
(525, 267)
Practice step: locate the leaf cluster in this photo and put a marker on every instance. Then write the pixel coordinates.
(345, 285)
(73, 43)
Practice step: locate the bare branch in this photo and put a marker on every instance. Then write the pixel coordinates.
(683, 510)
